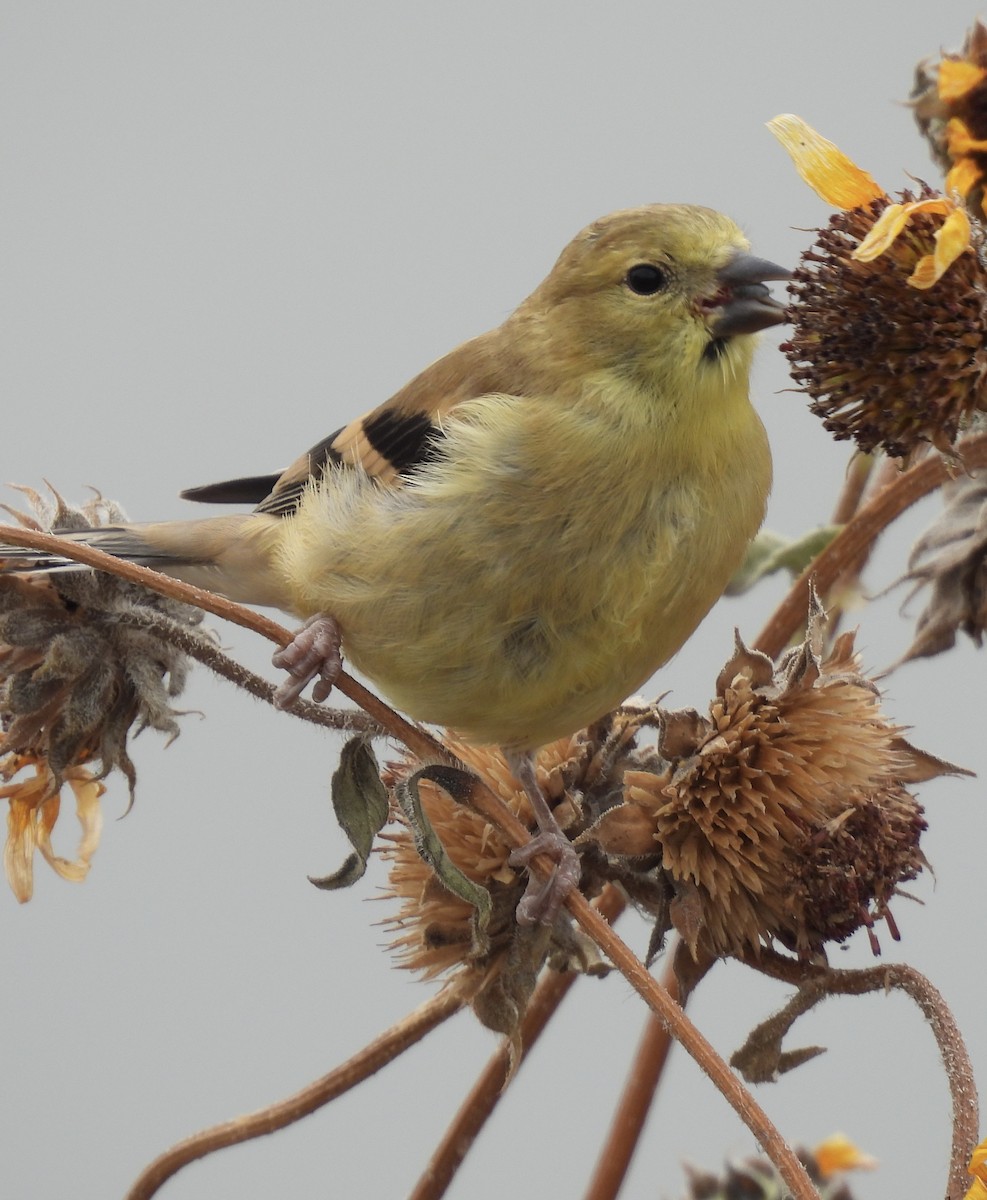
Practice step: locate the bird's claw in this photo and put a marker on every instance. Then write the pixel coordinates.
(543, 899)
(313, 653)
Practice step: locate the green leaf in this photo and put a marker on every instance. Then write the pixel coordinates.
(458, 784)
(771, 552)
(360, 803)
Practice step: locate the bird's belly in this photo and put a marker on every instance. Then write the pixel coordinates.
(518, 651)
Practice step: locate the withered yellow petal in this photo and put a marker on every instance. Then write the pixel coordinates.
(825, 168)
(883, 232)
(960, 141)
(957, 76)
(963, 177)
(18, 853)
(952, 239)
(838, 1153)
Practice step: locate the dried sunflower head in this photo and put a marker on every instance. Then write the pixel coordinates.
(439, 927)
(889, 308)
(950, 105)
(783, 814)
(84, 661)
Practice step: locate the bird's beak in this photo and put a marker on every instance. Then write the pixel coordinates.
(743, 304)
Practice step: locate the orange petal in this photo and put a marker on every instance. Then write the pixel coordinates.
(952, 239)
(18, 853)
(963, 177)
(959, 140)
(824, 167)
(957, 76)
(838, 1153)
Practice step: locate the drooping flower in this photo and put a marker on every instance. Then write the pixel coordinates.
(84, 662)
(889, 307)
(783, 815)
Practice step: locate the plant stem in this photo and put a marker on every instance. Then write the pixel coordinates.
(381, 1051)
(485, 1094)
(815, 983)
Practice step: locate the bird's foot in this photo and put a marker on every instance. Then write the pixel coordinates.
(543, 899)
(313, 653)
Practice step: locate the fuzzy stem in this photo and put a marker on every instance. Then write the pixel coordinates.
(485, 1094)
(381, 1051)
(815, 983)
(856, 538)
(206, 652)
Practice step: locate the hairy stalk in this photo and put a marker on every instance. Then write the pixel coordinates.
(490, 806)
(815, 983)
(205, 651)
(381, 1051)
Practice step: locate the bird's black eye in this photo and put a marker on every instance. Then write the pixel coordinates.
(646, 279)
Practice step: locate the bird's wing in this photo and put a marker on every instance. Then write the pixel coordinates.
(390, 442)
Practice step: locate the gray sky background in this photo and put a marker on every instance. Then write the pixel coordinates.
(226, 229)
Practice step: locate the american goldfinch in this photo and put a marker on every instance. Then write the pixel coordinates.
(526, 531)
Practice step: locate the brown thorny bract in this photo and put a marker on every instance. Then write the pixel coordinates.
(75, 682)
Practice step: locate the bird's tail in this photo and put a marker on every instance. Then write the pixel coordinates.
(233, 555)
(122, 541)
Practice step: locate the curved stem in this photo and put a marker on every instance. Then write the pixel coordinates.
(814, 983)
(370, 1059)
(485, 1094)
(856, 538)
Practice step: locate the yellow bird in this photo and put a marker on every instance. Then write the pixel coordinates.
(527, 530)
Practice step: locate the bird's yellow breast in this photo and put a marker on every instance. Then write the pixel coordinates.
(546, 565)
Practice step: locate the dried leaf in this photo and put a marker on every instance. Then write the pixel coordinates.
(359, 800)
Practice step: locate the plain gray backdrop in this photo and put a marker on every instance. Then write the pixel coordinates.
(226, 229)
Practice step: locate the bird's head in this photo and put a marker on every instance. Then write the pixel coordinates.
(652, 291)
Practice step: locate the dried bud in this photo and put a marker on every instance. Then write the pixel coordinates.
(951, 558)
(84, 660)
(782, 815)
(889, 309)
